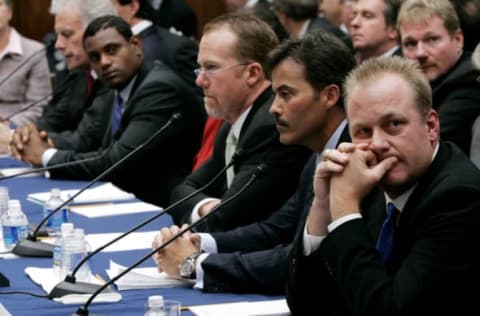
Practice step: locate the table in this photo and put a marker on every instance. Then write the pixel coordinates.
(133, 301)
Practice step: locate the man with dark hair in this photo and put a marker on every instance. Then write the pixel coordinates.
(177, 52)
(233, 51)
(307, 75)
(143, 100)
(299, 17)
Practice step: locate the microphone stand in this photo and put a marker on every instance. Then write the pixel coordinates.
(83, 311)
(70, 286)
(31, 247)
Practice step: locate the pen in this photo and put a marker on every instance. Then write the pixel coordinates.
(184, 308)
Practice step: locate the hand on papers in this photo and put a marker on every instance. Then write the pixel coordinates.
(171, 256)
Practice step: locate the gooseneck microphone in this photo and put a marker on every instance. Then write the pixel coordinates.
(83, 311)
(31, 247)
(70, 286)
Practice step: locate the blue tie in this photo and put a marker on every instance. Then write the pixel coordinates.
(385, 239)
(116, 114)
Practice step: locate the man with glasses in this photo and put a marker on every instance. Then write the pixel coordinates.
(231, 55)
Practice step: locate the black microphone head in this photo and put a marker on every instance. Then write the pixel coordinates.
(261, 170)
(176, 116)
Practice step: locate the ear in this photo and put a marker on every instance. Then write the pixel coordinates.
(433, 125)
(392, 32)
(135, 7)
(458, 39)
(137, 44)
(254, 73)
(330, 95)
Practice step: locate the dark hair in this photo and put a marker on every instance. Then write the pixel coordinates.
(326, 59)
(299, 10)
(145, 10)
(255, 38)
(391, 11)
(106, 22)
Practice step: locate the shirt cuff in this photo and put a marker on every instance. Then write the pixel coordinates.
(310, 242)
(199, 271)
(195, 216)
(47, 155)
(208, 243)
(339, 221)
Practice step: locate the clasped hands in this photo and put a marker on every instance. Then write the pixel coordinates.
(344, 177)
(29, 144)
(169, 258)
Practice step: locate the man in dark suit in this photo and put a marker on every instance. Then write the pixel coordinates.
(176, 14)
(431, 35)
(145, 99)
(306, 77)
(421, 259)
(232, 53)
(177, 52)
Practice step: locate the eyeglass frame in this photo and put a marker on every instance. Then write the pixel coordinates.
(211, 72)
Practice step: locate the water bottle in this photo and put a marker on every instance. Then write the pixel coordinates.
(4, 197)
(155, 306)
(15, 224)
(60, 217)
(66, 228)
(74, 249)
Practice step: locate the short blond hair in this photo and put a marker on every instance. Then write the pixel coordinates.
(421, 10)
(374, 68)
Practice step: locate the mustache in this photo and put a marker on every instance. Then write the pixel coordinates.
(279, 121)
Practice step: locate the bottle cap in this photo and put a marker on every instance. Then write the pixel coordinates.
(66, 228)
(155, 301)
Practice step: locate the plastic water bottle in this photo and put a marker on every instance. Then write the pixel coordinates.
(155, 306)
(15, 224)
(60, 217)
(74, 249)
(66, 228)
(4, 197)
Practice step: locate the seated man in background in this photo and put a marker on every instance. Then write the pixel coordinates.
(24, 76)
(431, 35)
(232, 53)
(423, 259)
(144, 99)
(307, 75)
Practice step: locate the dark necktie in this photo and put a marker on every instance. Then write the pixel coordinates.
(117, 113)
(385, 239)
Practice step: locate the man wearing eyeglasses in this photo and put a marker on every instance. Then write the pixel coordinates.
(231, 55)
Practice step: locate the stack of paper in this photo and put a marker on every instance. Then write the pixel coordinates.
(47, 279)
(142, 278)
(103, 193)
(113, 209)
(260, 308)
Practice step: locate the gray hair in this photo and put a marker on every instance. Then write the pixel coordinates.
(88, 9)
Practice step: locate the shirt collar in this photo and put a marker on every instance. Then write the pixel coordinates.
(141, 26)
(237, 125)
(125, 92)
(304, 29)
(14, 46)
(333, 140)
(251, 3)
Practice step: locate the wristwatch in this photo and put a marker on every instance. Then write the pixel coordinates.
(187, 266)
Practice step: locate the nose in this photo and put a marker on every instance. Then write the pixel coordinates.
(59, 43)
(105, 61)
(201, 80)
(420, 50)
(355, 20)
(378, 142)
(275, 108)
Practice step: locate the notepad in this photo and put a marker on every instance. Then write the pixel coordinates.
(103, 193)
(114, 209)
(143, 278)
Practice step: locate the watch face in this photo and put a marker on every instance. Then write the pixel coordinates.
(186, 268)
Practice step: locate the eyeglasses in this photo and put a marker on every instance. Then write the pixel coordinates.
(212, 70)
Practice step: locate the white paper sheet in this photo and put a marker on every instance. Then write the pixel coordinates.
(260, 308)
(143, 278)
(47, 280)
(4, 311)
(134, 241)
(103, 193)
(114, 209)
(13, 171)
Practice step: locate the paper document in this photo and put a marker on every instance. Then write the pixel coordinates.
(143, 278)
(114, 209)
(13, 171)
(3, 311)
(134, 241)
(103, 193)
(47, 279)
(260, 308)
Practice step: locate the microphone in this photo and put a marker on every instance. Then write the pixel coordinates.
(41, 50)
(31, 247)
(83, 311)
(70, 286)
(43, 169)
